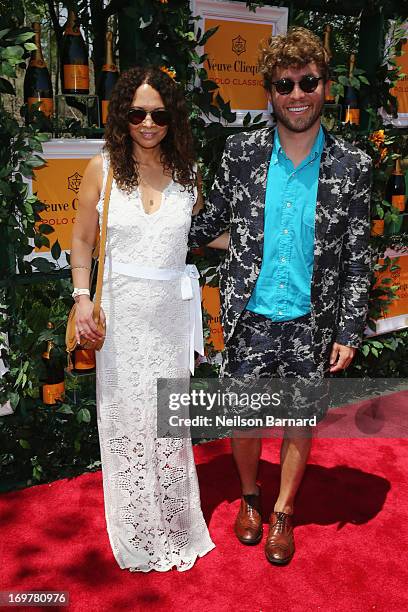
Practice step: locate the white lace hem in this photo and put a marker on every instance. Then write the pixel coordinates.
(183, 566)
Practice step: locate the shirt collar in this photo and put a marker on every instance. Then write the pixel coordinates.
(315, 152)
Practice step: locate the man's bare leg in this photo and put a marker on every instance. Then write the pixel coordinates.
(246, 453)
(248, 523)
(295, 450)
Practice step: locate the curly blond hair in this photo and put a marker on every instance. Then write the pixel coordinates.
(296, 49)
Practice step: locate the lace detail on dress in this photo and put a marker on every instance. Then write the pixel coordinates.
(152, 502)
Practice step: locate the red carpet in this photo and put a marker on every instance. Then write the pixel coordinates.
(351, 536)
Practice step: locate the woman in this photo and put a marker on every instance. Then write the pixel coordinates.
(151, 491)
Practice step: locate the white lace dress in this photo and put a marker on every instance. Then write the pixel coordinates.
(152, 501)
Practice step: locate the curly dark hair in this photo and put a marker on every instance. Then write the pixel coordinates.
(177, 151)
(297, 48)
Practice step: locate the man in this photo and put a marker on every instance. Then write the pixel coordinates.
(295, 280)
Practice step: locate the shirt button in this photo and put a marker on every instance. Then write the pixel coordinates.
(283, 259)
(285, 231)
(280, 312)
(282, 285)
(288, 205)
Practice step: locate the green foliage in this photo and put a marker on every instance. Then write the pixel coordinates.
(43, 443)
(343, 80)
(14, 45)
(344, 35)
(20, 154)
(39, 442)
(384, 356)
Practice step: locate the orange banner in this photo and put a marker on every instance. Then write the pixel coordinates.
(211, 303)
(57, 185)
(399, 277)
(401, 90)
(232, 62)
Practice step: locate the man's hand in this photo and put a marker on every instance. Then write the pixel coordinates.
(341, 356)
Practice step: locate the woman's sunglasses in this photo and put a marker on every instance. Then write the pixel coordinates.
(159, 117)
(308, 84)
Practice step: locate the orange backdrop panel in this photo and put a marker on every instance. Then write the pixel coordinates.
(401, 90)
(232, 62)
(57, 185)
(399, 277)
(211, 303)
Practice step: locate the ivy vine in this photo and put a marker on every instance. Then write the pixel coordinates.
(37, 442)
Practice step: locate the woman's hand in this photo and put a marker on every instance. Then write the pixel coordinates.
(85, 326)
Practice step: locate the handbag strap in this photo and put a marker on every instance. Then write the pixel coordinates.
(102, 245)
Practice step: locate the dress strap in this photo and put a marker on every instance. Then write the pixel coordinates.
(105, 170)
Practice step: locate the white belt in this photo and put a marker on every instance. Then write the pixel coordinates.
(190, 290)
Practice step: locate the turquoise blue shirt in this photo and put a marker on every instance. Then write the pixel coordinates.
(282, 291)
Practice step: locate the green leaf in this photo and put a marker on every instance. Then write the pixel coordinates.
(207, 35)
(14, 399)
(30, 47)
(21, 38)
(46, 229)
(65, 409)
(209, 85)
(355, 82)
(365, 349)
(41, 241)
(364, 80)
(7, 70)
(24, 443)
(56, 250)
(83, 415)
(214, 110)
(35, 161)
(247, 119)
(42, 264)
(37, 472)
(6, 87)
(12, 53)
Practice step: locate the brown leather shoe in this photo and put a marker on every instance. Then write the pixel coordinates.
(248, 524)
(280, 543)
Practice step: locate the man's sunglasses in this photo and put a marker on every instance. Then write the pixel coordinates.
(159, 117)
(308, 84)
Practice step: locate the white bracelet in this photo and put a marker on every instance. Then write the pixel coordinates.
(77, 292)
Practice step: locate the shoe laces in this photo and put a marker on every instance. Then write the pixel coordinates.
(280, 521)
